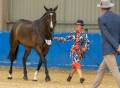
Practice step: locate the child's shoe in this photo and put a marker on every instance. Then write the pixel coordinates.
(82, 80)
(69, 78)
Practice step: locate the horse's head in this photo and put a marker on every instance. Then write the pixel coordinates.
(51, 13)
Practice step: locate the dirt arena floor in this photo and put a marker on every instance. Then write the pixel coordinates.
(58, 79)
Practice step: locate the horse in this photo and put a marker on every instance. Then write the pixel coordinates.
(35, 34)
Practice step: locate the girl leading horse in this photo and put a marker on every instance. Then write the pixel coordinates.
(81, 44)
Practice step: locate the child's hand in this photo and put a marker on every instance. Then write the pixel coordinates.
(84, 49)
(118, 49)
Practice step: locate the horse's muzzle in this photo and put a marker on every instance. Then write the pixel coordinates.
(48, 42)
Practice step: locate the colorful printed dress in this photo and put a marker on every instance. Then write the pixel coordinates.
(80, 41)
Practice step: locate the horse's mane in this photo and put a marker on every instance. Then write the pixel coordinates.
(37, 24)
(40, 23)
(40, 19)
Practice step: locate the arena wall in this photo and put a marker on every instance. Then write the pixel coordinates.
(58, 55)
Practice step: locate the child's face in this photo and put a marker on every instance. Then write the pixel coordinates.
(78, 27)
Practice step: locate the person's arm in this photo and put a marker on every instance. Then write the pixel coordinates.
(62, 39)
(118, 49)
(70, 37)
(85, 40)
(107, 35)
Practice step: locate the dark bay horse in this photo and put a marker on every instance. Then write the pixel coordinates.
(36, 34)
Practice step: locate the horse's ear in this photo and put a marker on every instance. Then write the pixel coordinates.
(45, 8)
(56, 8)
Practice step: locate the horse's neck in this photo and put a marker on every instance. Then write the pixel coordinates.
(43, 27)
(44, 30)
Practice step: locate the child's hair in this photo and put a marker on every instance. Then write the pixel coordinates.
(81, 22)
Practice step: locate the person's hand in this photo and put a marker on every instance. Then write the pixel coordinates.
(84, 49)
(118, 49)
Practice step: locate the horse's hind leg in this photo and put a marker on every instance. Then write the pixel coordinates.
(27, 51)
(13, 53)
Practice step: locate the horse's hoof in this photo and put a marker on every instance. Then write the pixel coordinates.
(35, 80)
(25, 78)
(47, 79)
(10, 78)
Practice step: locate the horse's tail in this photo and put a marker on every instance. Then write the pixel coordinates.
(13, 53)
(14, 44)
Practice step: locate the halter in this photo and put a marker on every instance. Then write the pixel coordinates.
(49, 42)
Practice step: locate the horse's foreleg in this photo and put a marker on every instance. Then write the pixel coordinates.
(27, 51)
(35, 78)
(43, 60)
(46, 71)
